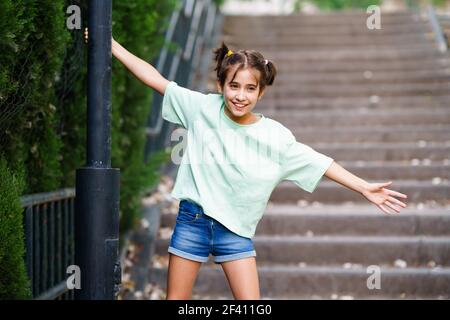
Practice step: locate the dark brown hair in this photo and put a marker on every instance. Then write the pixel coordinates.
(245, 59)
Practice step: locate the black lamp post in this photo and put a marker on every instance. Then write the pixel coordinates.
(97, 184)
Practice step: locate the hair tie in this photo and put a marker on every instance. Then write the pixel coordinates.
(266, 62)
(229, 53)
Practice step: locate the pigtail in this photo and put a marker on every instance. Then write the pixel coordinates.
(271, 73)
(219, 56)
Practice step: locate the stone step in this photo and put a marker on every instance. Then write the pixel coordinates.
(400, 171)
(299, 68)
(357, 90)
(351, 77)
(329, 192)
(329, 47)
(299, 120)
(329, 20)
(363, 134)
(360, 117)
(437, 75)
(384, 151)
(368, 102)
(375, 54)
(415, 251)
(315, 297)
(359, 111)
(346, 78)
(293, 281)
(366, 219)
(390, 70)
(341, 30)
(325, 250)
(328, 220)
(261, 40)
(372, 111)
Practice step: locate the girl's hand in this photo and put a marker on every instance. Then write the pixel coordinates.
(380, 196)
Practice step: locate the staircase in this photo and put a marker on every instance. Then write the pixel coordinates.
(377, 101)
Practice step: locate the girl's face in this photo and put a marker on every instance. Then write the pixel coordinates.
(241, 94)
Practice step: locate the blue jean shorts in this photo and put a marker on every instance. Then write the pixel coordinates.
(197, 235)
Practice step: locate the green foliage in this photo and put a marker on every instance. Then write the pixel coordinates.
(333, 5)
(139, 26)
(137, 180)
(219, 2)
(71, 87)
(43, 89)
(13, 280)
(32, 39)
(31, 47)
(439, 3)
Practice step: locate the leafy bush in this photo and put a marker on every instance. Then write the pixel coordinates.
(43, 109)
(332, 5)
(13, 279)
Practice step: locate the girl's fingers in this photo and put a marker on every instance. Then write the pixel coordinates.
(392, 206)
(392, 199)
(397, 194)
(384, 209)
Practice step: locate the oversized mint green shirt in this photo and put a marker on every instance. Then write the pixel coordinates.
(231, 169)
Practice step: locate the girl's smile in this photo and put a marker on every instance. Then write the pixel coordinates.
(241, 95)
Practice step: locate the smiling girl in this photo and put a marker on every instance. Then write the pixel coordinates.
(222, 203)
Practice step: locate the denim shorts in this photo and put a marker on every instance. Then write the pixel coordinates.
(197, 235)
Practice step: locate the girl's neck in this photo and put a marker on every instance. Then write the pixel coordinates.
(249, 118)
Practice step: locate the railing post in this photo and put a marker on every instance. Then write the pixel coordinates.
(97, 184)
(437, 30)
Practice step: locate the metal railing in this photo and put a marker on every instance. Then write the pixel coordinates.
(193, 27)
(434, 21)
(49, 239)
(437, 29)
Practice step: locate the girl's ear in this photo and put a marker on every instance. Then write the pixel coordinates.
(261, 93)
(219, 89)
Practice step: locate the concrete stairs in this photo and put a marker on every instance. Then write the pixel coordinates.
(323, 252)
(377, 101)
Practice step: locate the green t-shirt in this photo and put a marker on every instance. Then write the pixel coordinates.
(231, 169)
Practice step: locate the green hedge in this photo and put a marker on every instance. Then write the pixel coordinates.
(440, 3)
(31, 48)
(13, 279)
(139, 26)
(43, 88)
(333, 5)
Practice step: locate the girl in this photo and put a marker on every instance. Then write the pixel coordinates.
(222, 202)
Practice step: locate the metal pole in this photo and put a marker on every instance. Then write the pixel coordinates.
(97, 184)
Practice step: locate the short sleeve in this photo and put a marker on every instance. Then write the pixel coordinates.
(303, 165)
(181, 105)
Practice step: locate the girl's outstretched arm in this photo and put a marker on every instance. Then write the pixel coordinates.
(140, 68)
(374, 192)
